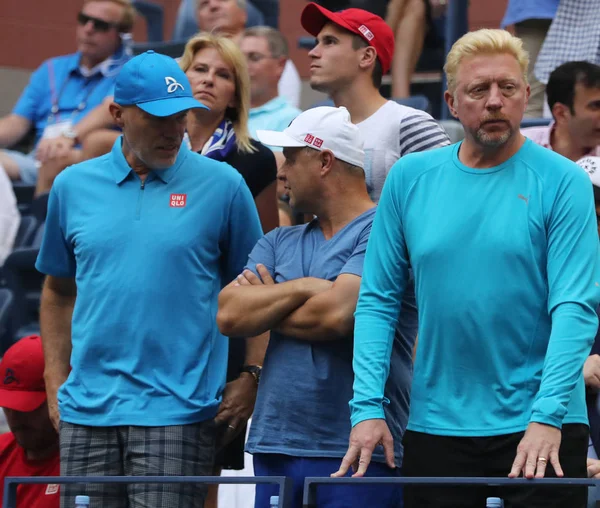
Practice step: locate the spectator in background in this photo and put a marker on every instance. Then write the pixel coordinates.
(574, 99)
(31, 446)
(313, 274)
(574, 35)
(411, 22)
(63, 91)
(266, 52)
(354, 50)
(531, 19)
(218, 75)
(10, 218)
(495, 393)
(228, 17)
(136, 246)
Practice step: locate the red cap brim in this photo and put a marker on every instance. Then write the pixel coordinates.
(314, 18)
(21, 400)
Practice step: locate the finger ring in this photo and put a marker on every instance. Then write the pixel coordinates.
(231, 427)
(542, 460)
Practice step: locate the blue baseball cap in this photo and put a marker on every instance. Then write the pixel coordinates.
(156, 84)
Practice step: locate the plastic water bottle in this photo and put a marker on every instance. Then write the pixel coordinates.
(82, 501)
(494, 502)
(274, 502)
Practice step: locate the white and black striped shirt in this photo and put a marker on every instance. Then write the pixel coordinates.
(391, 132)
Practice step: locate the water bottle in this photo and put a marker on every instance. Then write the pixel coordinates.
(82, 501)
(274, 502)
(493, 502)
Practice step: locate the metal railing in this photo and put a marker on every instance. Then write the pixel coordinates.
(11, 483)
(311, 483)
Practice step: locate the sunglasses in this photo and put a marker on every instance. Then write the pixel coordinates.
(99, 24)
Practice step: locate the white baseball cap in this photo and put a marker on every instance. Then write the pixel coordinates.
(322, 128)
(592, 167)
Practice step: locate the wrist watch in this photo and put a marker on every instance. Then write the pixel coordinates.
(72, 135)
(255, 370)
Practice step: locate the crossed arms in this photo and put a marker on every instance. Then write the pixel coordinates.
(307, 308)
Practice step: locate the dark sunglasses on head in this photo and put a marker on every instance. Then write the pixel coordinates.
(99, 24)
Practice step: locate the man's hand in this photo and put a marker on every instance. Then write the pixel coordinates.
(236, 407)
(591, 371)
(593, 468)
(53, 148)
(539, 445)
(52, 397)
(365, 436)
(248, 277)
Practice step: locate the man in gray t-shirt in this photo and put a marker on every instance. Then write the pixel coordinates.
(354, 50)
(302, 284)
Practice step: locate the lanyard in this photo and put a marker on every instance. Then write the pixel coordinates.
(54, 117)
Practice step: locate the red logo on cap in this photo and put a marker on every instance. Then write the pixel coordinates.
(366, 32)
(178, 200)
(309, 138)
(318, 142)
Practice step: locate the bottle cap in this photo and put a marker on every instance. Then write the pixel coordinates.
(493, 502)
(82, 499)
(274, 500)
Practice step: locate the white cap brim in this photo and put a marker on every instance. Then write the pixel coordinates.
(274, 138)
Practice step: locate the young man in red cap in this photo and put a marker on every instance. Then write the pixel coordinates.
(31, 446)
(354, 50)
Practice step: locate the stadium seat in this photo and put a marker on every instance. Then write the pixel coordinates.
(454, 129)
(154, 15)
(39, 207)
(6, 302)
(26, 232)
(172, 49)
(25, 282)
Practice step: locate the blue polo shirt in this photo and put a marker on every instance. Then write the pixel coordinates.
(60, 81)
(275, 115)
(149, 261)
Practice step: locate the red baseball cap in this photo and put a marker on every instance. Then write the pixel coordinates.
(369, 26)
(22, 386)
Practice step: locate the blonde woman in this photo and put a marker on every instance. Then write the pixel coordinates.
(218, 73)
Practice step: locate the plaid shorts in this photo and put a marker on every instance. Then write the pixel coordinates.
(178, 450)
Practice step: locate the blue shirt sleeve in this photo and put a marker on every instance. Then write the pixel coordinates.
(242, 232)
(56, 256)
(355, 263)
(264, 253)
(37, 90)
(573, 295)
(384, 279)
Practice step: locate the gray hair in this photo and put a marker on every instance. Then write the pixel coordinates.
(278, 45)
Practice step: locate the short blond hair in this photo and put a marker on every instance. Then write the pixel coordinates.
(232, 56)
(484, 42)
(126, 22)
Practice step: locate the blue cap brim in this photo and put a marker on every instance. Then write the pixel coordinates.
(171, 106)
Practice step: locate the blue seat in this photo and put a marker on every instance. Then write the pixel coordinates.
(6, 303)
(172, 49)
(535, 122)
(26, 232)
(154, 15)
(25, 282)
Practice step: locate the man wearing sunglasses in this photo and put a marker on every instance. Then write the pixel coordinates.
(62, 102)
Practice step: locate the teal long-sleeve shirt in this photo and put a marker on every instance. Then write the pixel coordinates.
(507, 278)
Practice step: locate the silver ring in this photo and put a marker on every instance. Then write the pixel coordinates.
(542, 460)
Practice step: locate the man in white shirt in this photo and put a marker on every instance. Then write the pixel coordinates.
(354, 50)
(228, 17)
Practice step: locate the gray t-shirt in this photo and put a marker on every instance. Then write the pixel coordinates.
(302, 405)
(391, 132)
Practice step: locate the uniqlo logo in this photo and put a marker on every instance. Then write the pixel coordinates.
(178, 200)
(318, 142)
(309, 138)
(52, 488)
(366, 32)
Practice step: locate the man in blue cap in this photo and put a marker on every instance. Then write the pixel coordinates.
(137, 245)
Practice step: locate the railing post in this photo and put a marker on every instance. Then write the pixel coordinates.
(10, 494)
